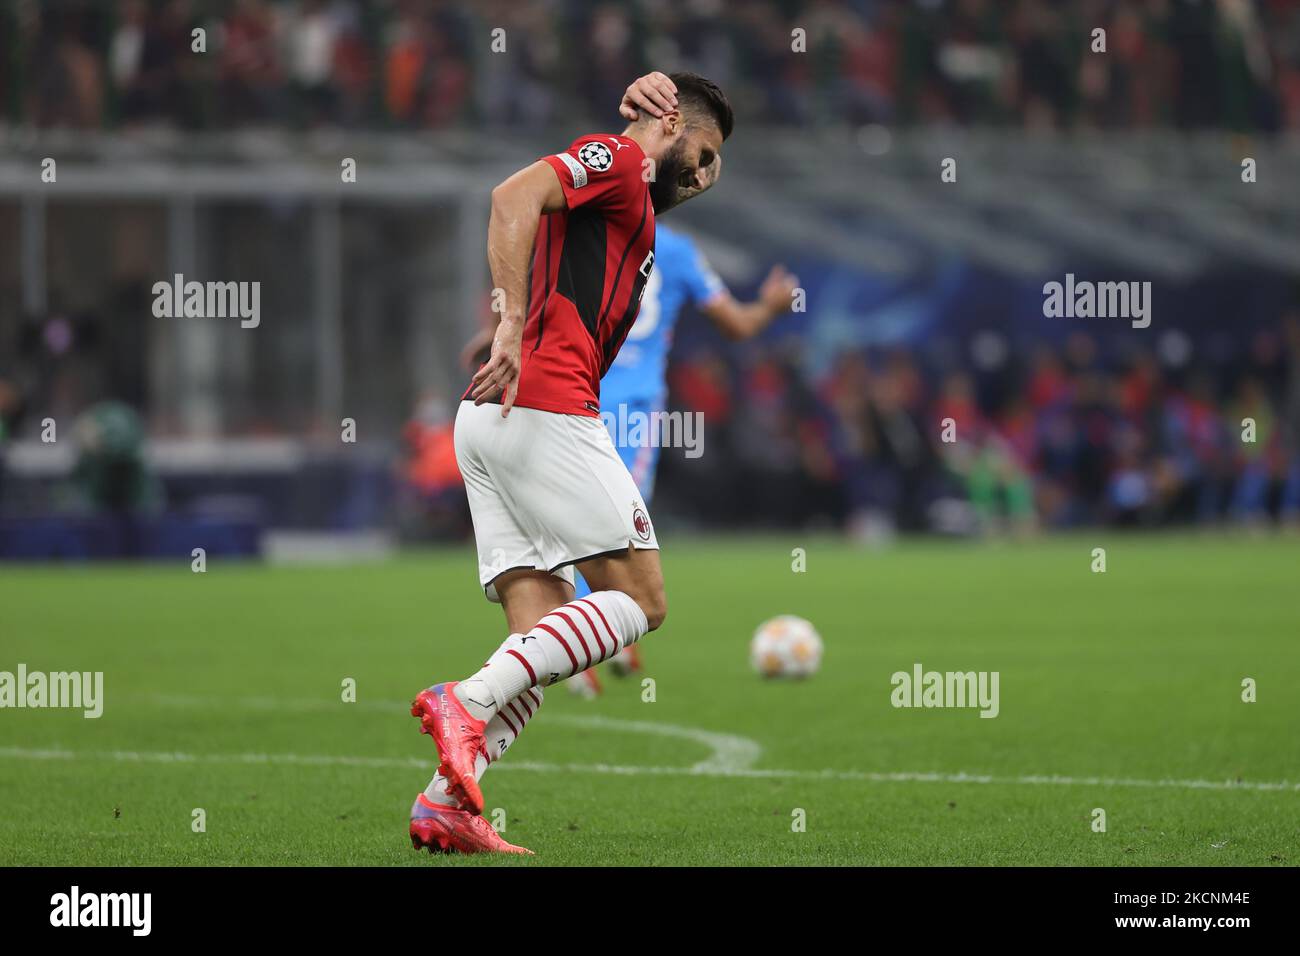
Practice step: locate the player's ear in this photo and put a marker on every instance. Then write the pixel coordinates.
(672, 123)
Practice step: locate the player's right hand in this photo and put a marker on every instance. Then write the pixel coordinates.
(777, 290)
(654, 93)
(500, 374)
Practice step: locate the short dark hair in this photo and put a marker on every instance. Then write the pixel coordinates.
(699, 95)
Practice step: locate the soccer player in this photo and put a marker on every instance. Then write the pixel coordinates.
(570, 246)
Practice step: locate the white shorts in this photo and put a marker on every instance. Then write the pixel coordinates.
(545, 491)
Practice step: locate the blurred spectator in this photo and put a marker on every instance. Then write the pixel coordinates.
(311, 33)
(251, 78)
(432, 502)
(148, 57)
(65, 72)
(112, 474)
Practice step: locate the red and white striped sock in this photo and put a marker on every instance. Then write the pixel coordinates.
(568, 640)
(502, 731)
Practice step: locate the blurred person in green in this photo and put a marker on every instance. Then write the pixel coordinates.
(1001, 493)
(10, 413)
(111, 473)
(998, 484)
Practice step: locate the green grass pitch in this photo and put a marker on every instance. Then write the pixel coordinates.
(223, 692)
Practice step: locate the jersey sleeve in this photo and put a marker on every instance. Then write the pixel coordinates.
(702, 283)
(592, 173)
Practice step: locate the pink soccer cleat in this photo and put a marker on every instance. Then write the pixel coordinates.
(440, 829)
(459, 738)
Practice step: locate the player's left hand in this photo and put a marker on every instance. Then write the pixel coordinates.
(500, 374)
(476, 350)
(654, 93)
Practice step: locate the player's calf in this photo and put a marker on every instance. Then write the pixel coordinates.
(654, 605)
(635, 572)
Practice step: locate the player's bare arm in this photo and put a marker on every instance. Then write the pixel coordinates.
(518, 205)
(742, 320)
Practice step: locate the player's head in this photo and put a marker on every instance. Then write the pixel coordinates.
(686, 143)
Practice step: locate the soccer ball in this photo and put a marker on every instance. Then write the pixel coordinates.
(786, 646)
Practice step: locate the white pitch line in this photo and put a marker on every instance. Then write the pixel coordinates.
(169, 757)
(728, 751)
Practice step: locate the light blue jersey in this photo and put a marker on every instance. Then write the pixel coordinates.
(637, 383)
(680, 275)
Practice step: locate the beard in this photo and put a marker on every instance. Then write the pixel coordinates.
(664, 191)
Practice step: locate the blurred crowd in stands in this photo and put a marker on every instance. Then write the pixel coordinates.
(1058, 436)
(1064, 437)
(1063, 434)
(413, 64)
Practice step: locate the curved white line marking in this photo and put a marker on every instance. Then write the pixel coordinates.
(331, 760)
(730, 753)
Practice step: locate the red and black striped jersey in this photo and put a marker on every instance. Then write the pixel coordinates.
(589, 270)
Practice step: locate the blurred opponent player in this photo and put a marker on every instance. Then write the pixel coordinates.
(636, 383)
(570, 246)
